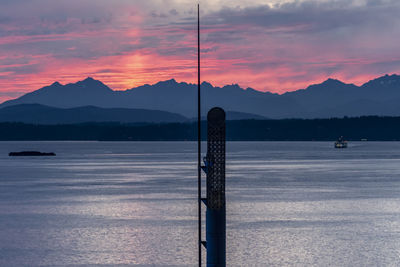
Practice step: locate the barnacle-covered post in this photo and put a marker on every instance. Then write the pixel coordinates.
(215, 201)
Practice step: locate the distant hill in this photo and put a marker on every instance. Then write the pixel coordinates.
(40, 114)
(331, 98)
(234, 116)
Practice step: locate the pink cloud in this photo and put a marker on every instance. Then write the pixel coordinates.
(277, 50)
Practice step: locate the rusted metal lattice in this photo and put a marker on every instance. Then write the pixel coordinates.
(216, 159)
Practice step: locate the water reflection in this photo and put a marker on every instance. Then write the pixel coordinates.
(289, 204)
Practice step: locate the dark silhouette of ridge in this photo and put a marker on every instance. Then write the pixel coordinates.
(40, 114)
(331, 98)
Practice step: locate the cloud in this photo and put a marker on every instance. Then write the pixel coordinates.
(289, 39)
(282, 45)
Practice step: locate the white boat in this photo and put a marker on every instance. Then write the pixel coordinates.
(341, 143)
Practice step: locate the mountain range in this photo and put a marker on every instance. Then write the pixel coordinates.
(41, 114)
(332, 98)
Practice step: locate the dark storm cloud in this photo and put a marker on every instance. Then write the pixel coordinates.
(309, 16)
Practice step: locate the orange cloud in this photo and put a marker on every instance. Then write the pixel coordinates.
(277, 49)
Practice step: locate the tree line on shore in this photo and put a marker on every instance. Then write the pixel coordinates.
(353, 129)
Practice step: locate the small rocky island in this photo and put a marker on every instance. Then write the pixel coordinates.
(30, 153)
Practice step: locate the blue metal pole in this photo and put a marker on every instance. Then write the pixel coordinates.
(216, 233)
(216, 206)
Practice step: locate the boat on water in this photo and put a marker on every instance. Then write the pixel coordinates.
(341, 143)
(30, 154)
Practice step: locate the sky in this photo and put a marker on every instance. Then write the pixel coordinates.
(272, 46)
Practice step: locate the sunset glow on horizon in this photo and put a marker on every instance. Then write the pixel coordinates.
(276, 46)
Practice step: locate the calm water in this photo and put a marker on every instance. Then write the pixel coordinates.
(288, 204)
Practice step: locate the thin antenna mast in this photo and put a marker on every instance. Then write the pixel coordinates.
(198, 133)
